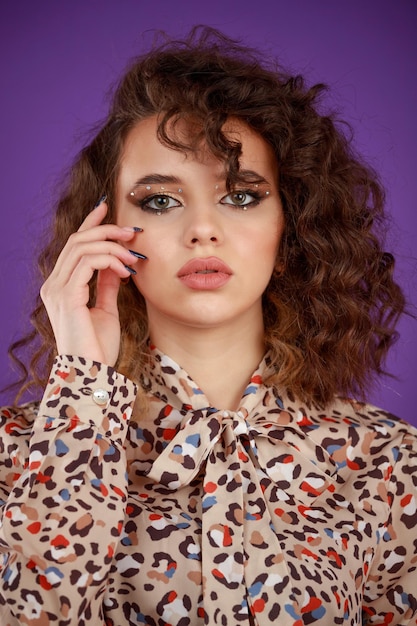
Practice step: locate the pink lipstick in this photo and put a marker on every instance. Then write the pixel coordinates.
(205, 273)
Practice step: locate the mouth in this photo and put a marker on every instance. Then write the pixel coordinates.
(209, 265)
(206, 274)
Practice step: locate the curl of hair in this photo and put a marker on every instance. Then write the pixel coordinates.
(330, 315)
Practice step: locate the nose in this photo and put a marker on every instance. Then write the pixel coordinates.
(203, 227)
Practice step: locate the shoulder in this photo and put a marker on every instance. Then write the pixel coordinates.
(356, 420)
(355, 435)
(381, 426)
(369, 439)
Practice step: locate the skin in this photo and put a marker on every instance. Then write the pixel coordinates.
(216, 334)
(91, 333)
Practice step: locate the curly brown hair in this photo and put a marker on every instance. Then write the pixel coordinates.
(330, 316)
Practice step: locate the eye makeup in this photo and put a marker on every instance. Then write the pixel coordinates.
(156, 199)
(159, 199)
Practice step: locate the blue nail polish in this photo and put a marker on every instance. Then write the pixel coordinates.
(138, 255)
(102, 199)
(130, 269)
(137, 229)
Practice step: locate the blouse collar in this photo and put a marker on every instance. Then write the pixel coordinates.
(168, 381)
(264, 417)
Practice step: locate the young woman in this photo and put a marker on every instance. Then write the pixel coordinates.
(195, 459)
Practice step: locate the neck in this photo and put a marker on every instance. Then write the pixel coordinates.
(220, 360)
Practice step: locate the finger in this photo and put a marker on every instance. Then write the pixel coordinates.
(94, 248)
(108, 284)
(95, 217)
(87, 265)
(112, 231)
(75, 250)
(70, 290)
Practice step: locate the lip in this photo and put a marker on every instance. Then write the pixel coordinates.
(205, 273)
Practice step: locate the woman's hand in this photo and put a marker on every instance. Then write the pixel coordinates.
(93, 333)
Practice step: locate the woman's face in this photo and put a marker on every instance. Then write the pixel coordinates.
(210, 253)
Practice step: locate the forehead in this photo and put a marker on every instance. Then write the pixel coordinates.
(143, 145)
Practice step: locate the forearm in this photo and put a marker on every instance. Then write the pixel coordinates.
(63, 518)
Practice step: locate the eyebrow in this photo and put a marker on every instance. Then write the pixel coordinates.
(249, 176)
(157, 179)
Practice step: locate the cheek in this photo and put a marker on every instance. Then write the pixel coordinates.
(156, 243)
(160, 264)
(270, 249)
(277, 233)
(266, 242)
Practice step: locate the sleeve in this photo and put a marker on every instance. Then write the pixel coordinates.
(391, 591)
(62, 519)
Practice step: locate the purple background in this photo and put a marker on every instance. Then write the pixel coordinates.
(59, 57)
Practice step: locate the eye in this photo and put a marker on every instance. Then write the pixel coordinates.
(242, 199)
(158, 203)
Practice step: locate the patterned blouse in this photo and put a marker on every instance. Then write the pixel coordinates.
(278, 513)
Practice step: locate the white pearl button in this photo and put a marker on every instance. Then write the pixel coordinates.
(101, 397)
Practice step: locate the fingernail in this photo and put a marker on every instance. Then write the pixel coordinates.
(102, 199)
(130, 269)
(138, 255)
(133, 229)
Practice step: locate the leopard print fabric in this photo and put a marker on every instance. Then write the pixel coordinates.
(277, 513)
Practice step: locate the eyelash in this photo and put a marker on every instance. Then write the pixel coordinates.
(145, 202)
(246, 192)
